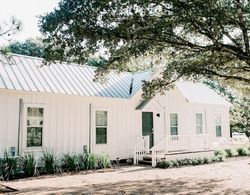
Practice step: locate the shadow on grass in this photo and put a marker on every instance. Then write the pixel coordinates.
(160, 186)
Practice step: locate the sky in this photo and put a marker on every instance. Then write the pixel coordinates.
(27, 11)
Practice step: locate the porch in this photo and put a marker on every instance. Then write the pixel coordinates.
(170, 145)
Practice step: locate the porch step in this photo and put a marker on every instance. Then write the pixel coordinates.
(146, 160)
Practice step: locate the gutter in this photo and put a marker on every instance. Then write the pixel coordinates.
(90, 128)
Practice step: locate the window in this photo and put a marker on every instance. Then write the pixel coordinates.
(198, 123)
(34, 126)
(101, 127)
(174, 124)
(218, 125)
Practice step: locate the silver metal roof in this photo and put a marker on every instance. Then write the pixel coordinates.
(26, 73)
(199, 93)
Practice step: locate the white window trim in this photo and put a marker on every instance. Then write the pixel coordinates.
(215, 124)
(202, 123)
(94, 125)
(178, 133)
(23, 135)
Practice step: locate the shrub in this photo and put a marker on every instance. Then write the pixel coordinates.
(195, 161)
(175, 163)
(8, 167)
(218, 158)
(28, 164)
(90, 161)
(70, 162)
(242, 152)
(206, 160)
(48, 160)
(103, 161)
(229, 152)
(218, 153)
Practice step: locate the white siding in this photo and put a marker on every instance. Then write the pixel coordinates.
(66, 120)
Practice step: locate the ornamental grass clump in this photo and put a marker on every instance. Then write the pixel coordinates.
(71, 162)
(90, 161)
(28, 164)
(8, 167)
(229, 152)
(49, 162)
(103, 161)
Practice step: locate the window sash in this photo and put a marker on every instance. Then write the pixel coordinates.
(199, 123)
(218, 131)
(173, 124)
(101, 127)
(101, 135)
(34, 126)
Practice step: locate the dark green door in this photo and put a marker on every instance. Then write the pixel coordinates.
(147, 126)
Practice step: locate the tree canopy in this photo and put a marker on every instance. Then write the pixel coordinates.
(240, 112)
(30, 47)
(192, 38)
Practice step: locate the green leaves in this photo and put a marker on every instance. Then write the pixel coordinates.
(202, 38)
(30, 48)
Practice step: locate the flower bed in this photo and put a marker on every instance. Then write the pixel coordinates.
(28, 166)
(219, 156)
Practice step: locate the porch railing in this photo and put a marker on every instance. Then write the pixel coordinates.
(141, 148)
(178, 143)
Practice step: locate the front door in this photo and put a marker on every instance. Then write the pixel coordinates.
(147, 126)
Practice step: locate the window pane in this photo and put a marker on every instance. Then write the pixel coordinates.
(34, 136)
(198, 118)
(173, 119)
(218, 131)
(174, 130)
(101, 135)
(217, 119)
(34, 126)
(38, 112)
(101, 118)
(199, 129)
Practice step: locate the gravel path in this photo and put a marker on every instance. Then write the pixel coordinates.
(230, 177)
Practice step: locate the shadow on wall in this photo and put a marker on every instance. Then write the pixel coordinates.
(160, 186)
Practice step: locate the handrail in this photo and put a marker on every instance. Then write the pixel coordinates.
(160, 146)
(141, 148)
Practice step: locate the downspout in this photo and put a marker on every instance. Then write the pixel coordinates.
(164, 115)
(19, 125)
(90, 128)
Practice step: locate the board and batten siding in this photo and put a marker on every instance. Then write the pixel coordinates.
(66, 123)
(174, 102)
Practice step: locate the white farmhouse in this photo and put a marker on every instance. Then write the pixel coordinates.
(59, 108)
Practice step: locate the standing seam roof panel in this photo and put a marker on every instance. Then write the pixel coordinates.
(26, 76)
(40, 77)
(6, 78)
(22, 80)
(13, 77)
(78, 74)
(53, 79)
(73, 77)
(62, 80)
(88, 82)
(35, 76)
(82, 84)
(30, 71)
